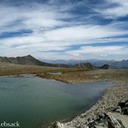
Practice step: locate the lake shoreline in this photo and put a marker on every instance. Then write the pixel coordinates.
(75, 115)
(111, 97)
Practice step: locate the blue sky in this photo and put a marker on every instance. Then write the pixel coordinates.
(64, 29)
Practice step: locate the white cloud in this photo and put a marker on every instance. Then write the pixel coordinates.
(60, 39)
(101, 50)
(37, 17)
(83, 33)
(67, 36)
(50, 31)
(120, 10)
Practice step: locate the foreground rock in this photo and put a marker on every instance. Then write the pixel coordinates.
(116, 118)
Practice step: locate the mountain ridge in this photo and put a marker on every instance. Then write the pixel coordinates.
(121, 64)
(28, 60)
(83, 64)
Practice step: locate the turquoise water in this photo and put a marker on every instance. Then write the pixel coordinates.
(34, 101)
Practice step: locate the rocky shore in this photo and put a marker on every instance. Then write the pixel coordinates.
(101, 115)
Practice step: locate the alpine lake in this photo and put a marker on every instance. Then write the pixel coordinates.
(33, 102)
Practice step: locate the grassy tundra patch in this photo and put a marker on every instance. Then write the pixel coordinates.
(69, 75)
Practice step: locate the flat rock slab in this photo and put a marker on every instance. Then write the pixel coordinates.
(123, 118)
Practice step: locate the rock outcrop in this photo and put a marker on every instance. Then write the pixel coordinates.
(116, 118)
(85, 66)
(105, 66)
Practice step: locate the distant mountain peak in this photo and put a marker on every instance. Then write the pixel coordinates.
(29, 56)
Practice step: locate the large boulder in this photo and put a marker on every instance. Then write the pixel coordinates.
(58, 125)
